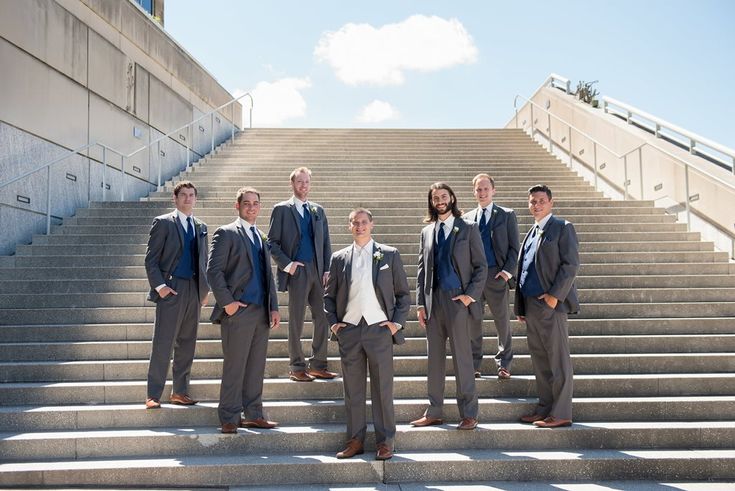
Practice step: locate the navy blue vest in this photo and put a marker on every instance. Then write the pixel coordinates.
(444, 275)
(532, 285)
(186, 267)
(255, 289)
(487, 243)
(305, 252)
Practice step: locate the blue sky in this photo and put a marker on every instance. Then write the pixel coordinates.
(460, 63)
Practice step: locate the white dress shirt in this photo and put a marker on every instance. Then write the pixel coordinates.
(362, 301)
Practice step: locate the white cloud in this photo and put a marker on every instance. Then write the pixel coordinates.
(363, 54)
(377, 111)
(276, 102)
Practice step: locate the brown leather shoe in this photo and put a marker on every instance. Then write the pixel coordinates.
(354, 447)
(552, 422)
(426, 421)
(503, 373)
(323, 374)
(300, 377)
(182, 400)
(467, 424)
(152, 403)
(258, 423)
(532, 418)
(229, 428)
(383, 452)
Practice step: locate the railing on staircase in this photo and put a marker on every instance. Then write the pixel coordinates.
(695, 144)
(564, 145)
(101, 154)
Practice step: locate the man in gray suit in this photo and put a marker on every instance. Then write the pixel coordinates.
(451, 276)
(546, 294)
(299, 240)
(367, 300)
(247, 308)
(175, 263)
(499, 231)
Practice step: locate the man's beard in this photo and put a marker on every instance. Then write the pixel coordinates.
(447, 208)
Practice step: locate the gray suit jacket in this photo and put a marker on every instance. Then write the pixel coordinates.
(504, 235)
(557, 263)
(165, 246)
(230, 267)
(389, 280)
(284, 235)
(468, 258)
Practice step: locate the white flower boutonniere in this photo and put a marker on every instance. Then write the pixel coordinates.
(455, 229)
(377, 256)
(263, 237)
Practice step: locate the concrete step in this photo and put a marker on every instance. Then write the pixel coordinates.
(696, 327)
(407, 365)
(406, 214)
(414, 387)
(495, 410)
(325, 438)
(145, 313)
(49, 299)
(126, 349)
(313, 468)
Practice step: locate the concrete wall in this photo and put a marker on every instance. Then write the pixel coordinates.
(76, 72)
(652, 173)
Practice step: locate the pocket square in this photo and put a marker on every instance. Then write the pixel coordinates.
(385, 266)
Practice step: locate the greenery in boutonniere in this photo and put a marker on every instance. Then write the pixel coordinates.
(377, 256)
(455, 229)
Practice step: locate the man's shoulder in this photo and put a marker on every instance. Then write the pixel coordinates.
(228, 227)
(386, 248)
(342, 252)
(504, 209)
(282, 204)
(470, 214)
(170, 216)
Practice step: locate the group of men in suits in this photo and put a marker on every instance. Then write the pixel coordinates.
(361, 295)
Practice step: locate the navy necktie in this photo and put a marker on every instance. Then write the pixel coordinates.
(442, 238)
(189, 228)
(306, 210)
(483, 221)
(254, 238)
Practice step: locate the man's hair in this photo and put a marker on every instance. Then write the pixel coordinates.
(432, 215)
(482, 176)
(244, 190)
(184, 184)
(357, 211)
(540, 188)
(299, 170)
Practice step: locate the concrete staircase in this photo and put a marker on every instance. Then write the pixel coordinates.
(653, 348)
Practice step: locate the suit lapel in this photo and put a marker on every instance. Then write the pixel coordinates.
(179, 228)
(376, 265)
(296, 216)
(245, 241)
(429, 248)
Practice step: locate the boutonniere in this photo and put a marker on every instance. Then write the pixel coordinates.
(263, 237)
(455, 229)
(377, 256)
(495, 210)
(313, 210)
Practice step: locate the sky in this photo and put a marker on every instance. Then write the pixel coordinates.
(460, 63)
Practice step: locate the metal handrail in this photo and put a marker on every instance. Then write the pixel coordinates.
(123, 156)
(623, 156)
(694, 141)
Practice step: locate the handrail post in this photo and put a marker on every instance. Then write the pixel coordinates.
(48, 200)
(212, 131)
(232, 121)
(625, 176)
(548, 130)
(251, 112)
(104, 173)
(686, 197)
(533, 129)
(516, 110)
(158, 157)
(571, 154)
(594, 155)
(640, 169)
(122, 169)
(188, 153)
